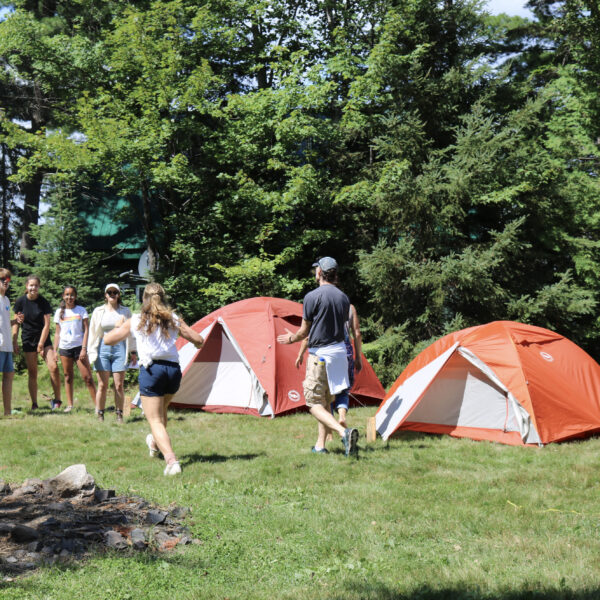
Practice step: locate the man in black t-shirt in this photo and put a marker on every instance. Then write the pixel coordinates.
(33, 315)
(325, 313)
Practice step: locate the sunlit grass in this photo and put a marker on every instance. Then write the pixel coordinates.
(419, 517)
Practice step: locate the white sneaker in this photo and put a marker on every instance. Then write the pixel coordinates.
(153, 450)
(173, 469)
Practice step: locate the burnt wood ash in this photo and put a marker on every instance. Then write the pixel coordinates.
(68, 517)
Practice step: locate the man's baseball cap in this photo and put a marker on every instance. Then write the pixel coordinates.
(326, 263)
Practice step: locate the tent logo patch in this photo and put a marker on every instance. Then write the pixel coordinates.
(547, 356)
(294, 396)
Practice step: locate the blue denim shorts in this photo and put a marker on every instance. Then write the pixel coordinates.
(6, 362)
(111, 358)
(160, 378)
(342, 400)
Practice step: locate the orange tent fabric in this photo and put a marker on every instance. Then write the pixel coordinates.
(504, 381)
(242, 368)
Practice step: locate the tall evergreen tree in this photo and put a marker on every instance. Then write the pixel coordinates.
(48, 55)
(59, 257)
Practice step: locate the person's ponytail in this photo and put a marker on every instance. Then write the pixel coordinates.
(155, 311)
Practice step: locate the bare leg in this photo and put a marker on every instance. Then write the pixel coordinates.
(326, 419)
(86, 374)
(322, 434)
(103, 377)
(329, 434)
(342, 412)
(67, 364)
(50, 358)
(31, 361)
(7, 381)
(155, 411)
(119, 379)
(168, 398)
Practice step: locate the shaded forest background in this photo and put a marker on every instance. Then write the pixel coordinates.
(447, 158)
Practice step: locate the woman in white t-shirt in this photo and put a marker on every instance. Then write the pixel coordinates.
(71, 338)
(155, 329)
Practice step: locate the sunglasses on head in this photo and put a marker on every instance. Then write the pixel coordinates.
(112, 293)
(5, 279)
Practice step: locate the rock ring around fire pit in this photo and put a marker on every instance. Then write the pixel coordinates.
(67, 517)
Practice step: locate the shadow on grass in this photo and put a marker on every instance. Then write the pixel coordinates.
(408, 439)
(379, 591)
(135, 559)
(135, 418)
(412, 437)
(139, 418)
(195, 457)
(43, 411)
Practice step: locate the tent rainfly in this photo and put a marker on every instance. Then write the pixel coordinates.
(504, 381)
(242, 369)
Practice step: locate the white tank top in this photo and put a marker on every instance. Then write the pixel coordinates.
(155, 346)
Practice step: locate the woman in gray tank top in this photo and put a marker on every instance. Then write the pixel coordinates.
(109, 360)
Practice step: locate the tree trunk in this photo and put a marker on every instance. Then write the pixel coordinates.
(5, 208)
(32, 189)
(147, 222)
(31, 210)
(453, 46)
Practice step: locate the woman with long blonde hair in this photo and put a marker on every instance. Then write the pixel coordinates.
(155, 329)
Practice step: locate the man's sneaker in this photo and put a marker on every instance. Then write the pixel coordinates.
(54, 403)
(316, 450)
(350, 441)
(173, 469)
(152, 448)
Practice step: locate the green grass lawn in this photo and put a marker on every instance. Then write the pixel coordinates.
(418, 517)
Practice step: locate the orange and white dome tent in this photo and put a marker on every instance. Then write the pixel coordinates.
(242, 369)
(504, 381)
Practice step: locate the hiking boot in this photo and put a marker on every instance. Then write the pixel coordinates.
(173, 469)
(350, 441)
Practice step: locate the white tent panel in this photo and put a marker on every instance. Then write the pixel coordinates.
(216, 384)
(259, 399)
(226, 382)
(397, 406)
(522, 419)
(461, 395)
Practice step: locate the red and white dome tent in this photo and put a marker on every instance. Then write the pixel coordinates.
(241, 367)
(504, 381)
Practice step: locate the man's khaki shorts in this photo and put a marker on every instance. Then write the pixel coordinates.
(316, 386)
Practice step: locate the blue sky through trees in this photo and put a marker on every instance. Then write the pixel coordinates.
(511, 7)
